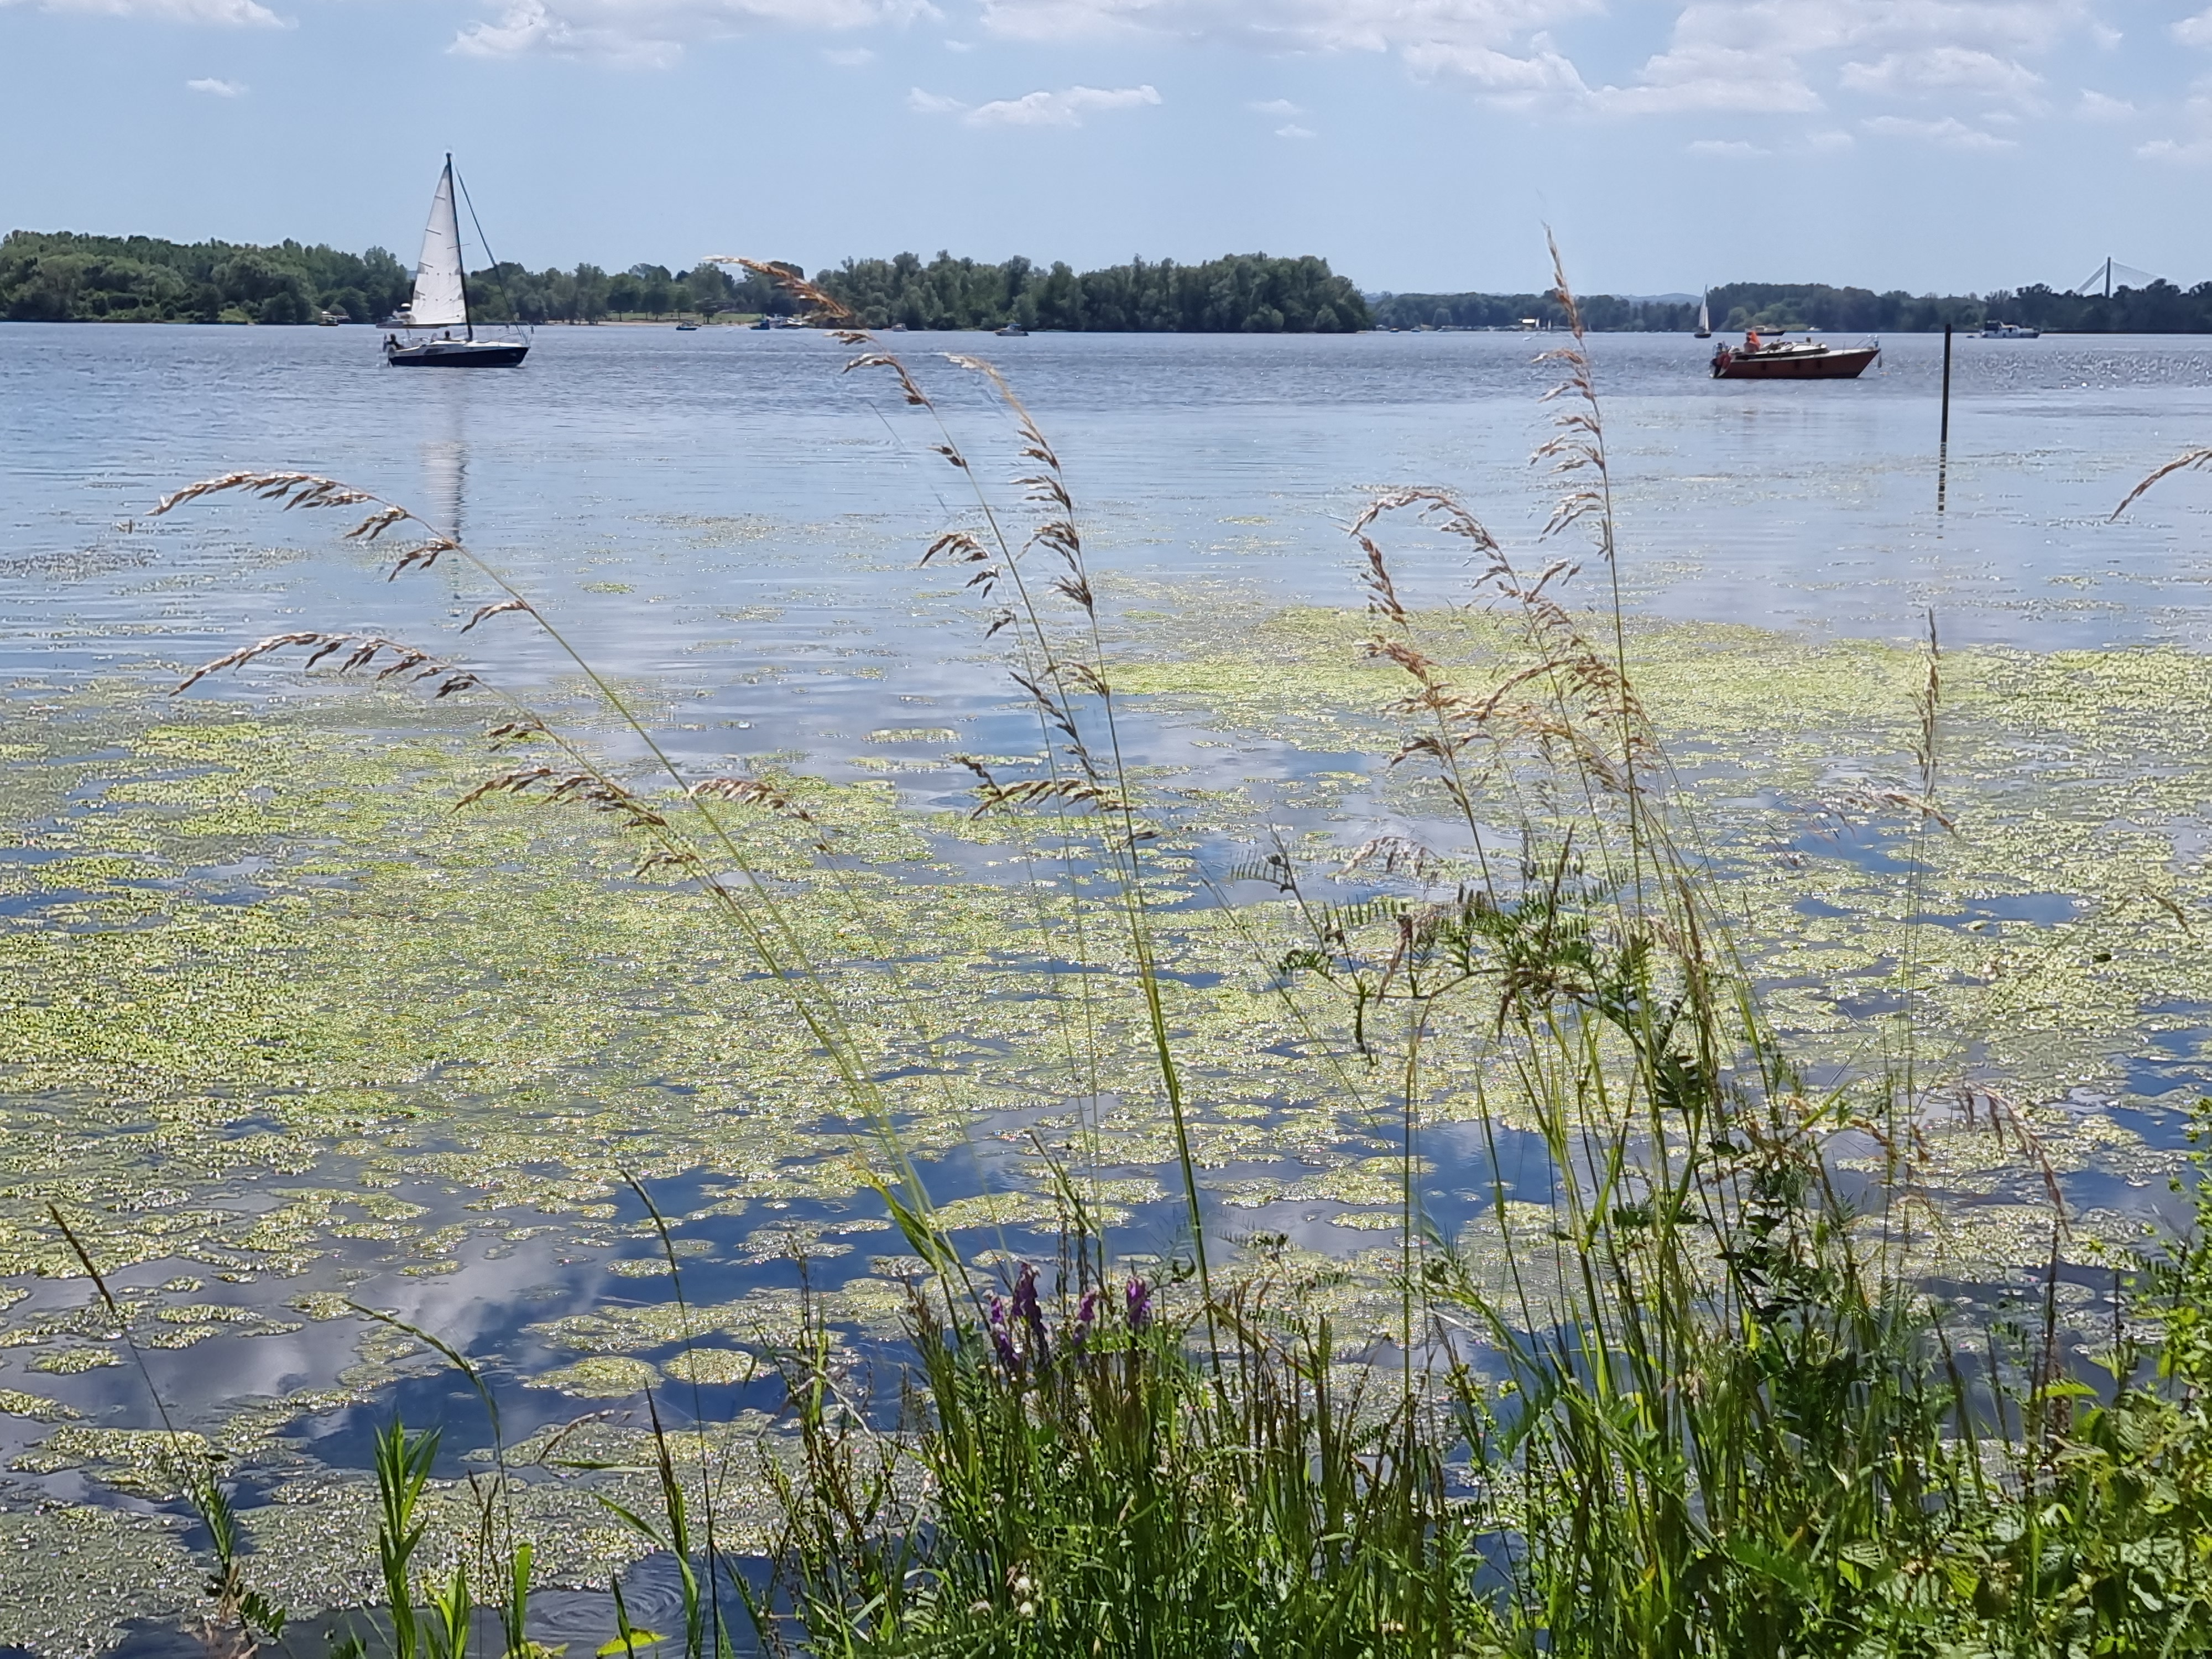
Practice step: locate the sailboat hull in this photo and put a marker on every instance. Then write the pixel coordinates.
(458, 354)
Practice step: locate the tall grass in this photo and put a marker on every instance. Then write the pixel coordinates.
(1695, 1398)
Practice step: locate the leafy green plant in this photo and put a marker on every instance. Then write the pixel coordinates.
(402, 1464)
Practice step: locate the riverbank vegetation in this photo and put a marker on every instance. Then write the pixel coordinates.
(1252, 294)
(64, 277)
(1717, 1352)
(2156, 307)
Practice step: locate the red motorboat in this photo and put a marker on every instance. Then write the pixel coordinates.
(1790, 360)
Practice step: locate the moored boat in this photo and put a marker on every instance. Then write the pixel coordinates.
(1790, 360)
(2009, 332)
(440, 301)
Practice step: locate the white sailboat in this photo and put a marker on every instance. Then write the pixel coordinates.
(440, 300)
(1705, 318)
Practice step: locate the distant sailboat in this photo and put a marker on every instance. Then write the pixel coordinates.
(1705, 318)
(441, 301)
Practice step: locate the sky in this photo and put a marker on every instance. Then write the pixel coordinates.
(1944, 145)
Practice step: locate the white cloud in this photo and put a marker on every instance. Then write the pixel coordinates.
(1730, 148)
(849, 57)
(1282, 106)
(1731, 57)
(1828, 142)
(1294, 130)
(1709, 78)
(2195, 146)
(1036, 109)
(1496, 44)
(1279, 25)
(1504, 77)
(214, 88)
(654, 33)
(1774, 56)
(1943, 70)
(1950, 132)
(223, 14)
(2096, 107)
(2195, 31)
(1057, 109)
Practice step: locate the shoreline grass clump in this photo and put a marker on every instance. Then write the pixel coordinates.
(1699, 1379)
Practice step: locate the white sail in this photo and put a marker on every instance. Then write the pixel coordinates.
(1705, 318)
(438, 301)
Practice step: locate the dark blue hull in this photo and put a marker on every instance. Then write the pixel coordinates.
(457, 353)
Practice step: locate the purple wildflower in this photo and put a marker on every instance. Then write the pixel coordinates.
(1086, 1313)
(1140, 1300)
(1002, 1338)
(1027, 1311)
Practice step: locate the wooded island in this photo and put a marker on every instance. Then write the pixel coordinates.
(66, 276)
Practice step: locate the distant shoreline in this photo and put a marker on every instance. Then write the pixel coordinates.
(65, 276)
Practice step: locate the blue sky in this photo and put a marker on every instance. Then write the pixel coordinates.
(1950, 145)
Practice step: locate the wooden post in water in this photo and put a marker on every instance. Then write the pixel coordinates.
(1943, 439)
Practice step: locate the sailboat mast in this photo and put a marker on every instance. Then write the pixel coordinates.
(468, 321)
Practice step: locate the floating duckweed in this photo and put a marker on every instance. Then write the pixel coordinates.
(40, 1409)
(999, 1210)
(72, 1362)
(1370, 1221)
(601, 1377)
(400, 999)
(712, 1366)
(71, 1575)
(145, 1461)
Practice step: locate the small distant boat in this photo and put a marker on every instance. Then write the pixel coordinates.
(687, 328)
(440, 301)
(2009, 332)
(1013, 331)
(1790, 360)
(1705, 318)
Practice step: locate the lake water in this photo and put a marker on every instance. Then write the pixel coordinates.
(1232, 460)
(728, 522)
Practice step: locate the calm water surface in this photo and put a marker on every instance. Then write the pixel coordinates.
(728, 469)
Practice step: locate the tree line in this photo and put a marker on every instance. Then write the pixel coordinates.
(1604, 311)
(2158, 307)
(64, 277)
(1247, 292)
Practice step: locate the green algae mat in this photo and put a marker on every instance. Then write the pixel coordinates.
(277, 1021)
